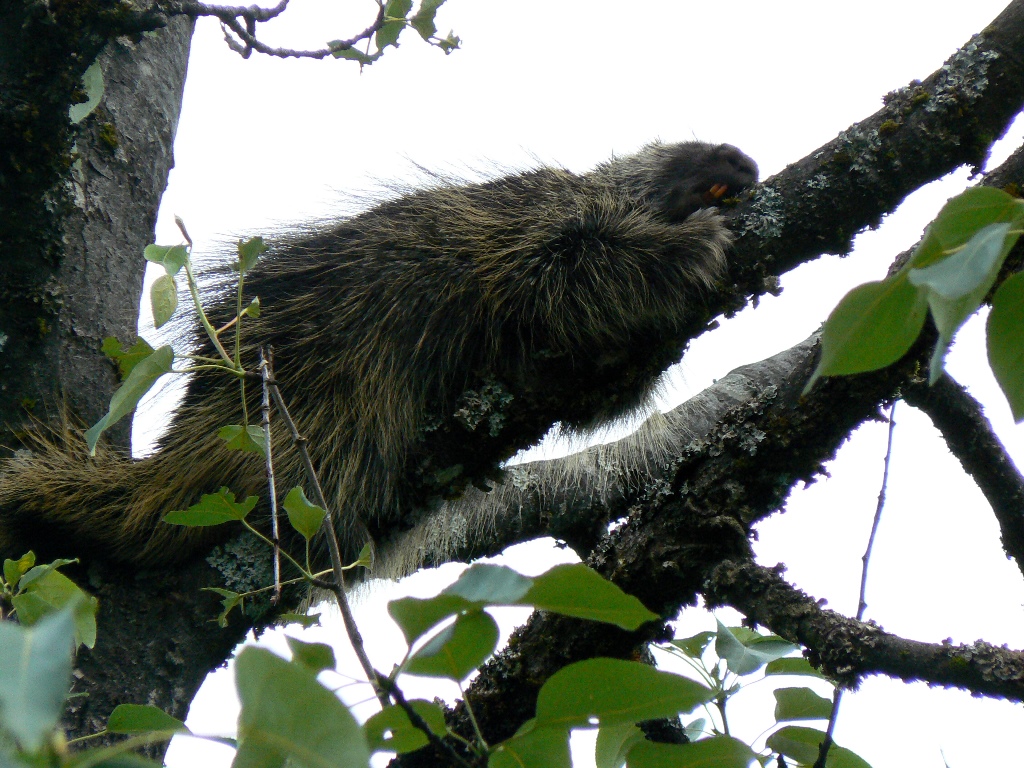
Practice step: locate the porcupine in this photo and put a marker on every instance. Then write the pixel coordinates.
(420, 344)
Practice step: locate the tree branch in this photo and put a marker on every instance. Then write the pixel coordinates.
(847, 650)
(573, 499)
(968, 433)
(925, 130)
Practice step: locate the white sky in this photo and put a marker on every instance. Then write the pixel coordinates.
(264, 141)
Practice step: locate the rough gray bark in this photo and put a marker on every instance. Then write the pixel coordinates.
(123, 158)
(77, 204)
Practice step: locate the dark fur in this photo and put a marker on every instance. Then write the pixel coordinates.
(420, 344)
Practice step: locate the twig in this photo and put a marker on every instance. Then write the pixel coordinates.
(862, 604)
(230, 15)
(338, 588)
(418, 722)
(266, 360)
(866, 557)
(384, 688)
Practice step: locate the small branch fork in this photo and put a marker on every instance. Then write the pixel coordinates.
(239, 24)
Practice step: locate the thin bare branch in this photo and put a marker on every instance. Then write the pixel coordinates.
(338, 586)
(242, 22)
(265, 373)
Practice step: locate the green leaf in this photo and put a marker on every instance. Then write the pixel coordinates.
(163, 299)
(534, 746)
(695, 645)
(395, 12)
(390, 730)
(614, 742)
(415, 616)
(171, 257)
(35, 672)
(483, 584)
(840, 757)
(802, 745)
(1006, 341)
(423, 21)
(365, 558)
(351, 53)
(230, 600)
(449, 43)
(458, 649)
(92, 82)
(695, 729)
(37, 573)
(316, 657)
(250, 439)
(44, 591)
(615, 691)
(142, 377)
(213, 509)
(253, 310)
(248, 252)
(750, 651)
(305, 516)
(286, 714)
(793, 666)
(139, 718)
(479, 585)
(950, 272)
(960, 219)
(801, 704)
(572, 590)
(15, 569)
(126, 359)
(956, 285)
(717, 752)
(305, 620)
(873, 326)
(579, 591)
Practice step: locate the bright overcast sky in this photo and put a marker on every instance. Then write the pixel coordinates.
(265, 141)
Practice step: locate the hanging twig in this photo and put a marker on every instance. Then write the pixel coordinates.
(338, 587)
(384, 688)
(266, 360)
(862, 604)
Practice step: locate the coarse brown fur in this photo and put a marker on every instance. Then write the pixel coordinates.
(420, 344)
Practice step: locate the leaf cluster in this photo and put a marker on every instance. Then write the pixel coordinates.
(141, 366)
(397, 16)
(948, 276)
(726, 660)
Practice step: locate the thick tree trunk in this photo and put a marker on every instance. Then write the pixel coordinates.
(79, 203)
